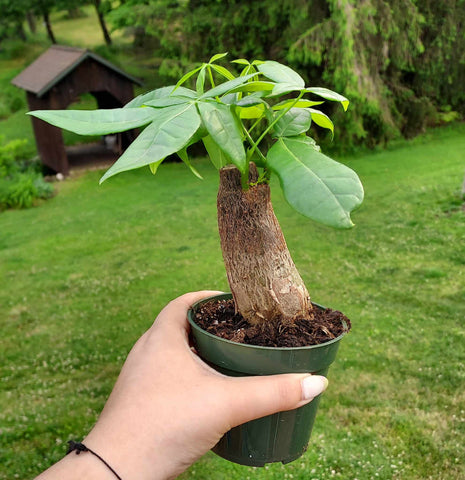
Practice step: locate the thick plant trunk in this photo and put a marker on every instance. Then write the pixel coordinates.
(264, 281)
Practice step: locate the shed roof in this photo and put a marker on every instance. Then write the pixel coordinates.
(54, 64)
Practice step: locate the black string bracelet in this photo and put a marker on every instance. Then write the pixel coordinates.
(80, 447)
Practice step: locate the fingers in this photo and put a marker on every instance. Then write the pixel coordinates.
(255, 397)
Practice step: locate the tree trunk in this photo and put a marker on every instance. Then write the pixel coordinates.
(48, 26)
(264, 281)
(31, 22)
(20, 33)
(101, 20)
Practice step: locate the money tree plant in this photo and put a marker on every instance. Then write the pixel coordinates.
(253, 124)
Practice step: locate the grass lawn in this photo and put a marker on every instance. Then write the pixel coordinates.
(84, 274)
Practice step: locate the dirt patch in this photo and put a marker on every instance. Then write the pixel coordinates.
(219, 318)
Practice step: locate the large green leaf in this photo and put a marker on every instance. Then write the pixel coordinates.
(216, 155)
(292, 123)
(159, 93)
(255, 86)
(329, 95)
(224, 130)
(281, 73)
(226, 87)
(97, 122)
(169, 132)
(167, 101)
(313, 184)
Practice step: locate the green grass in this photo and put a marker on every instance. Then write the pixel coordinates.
(84, 274)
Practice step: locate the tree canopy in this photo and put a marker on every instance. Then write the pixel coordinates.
(401, 62)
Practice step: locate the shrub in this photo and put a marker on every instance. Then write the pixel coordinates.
(21, 180)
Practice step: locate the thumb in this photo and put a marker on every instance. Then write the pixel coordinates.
(255, 397)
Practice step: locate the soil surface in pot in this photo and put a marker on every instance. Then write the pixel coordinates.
(219, 318)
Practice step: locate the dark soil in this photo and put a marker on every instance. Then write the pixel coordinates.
(219, 318)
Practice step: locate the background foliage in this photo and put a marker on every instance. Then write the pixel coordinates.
(401, 62)
(21, 181)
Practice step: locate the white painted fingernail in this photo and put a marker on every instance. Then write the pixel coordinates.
(313, 385)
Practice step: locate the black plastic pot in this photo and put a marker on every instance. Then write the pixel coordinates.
(282, 437)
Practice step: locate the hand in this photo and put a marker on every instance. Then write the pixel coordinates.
(168, 407)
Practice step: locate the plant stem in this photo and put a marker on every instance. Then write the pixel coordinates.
(271, 125)
(210, 75)
(252, 143)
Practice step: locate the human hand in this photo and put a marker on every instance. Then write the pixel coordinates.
(168, 407)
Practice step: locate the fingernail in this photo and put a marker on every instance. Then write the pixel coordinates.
(313, 385)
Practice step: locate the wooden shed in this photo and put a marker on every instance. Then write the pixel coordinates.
(57, 79)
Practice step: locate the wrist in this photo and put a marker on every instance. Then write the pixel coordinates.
(77, 467)
(126, 451)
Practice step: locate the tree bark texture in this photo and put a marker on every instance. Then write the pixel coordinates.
(264, 281)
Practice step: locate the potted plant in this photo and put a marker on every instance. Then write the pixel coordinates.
(252, 124)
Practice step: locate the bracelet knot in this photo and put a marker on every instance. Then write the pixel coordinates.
(79, 447)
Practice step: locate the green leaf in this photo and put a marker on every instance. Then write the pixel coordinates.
(251, 112)
(160, 93)
(300, 104)
(200, 83)
(249, 101)
(186, 77)
(285, 88)
(229, 98)
(97, 122)
(256, 86)
(329, 95)
(218, 56)
(167, 101)
(226, 87)
(198, 135)
(315, 185)
(223, 71)
(154, 166)
(169, 132)
(241, 61)
(321, 119)
(294, 122)
(185, 158)
(224, 130)
(216, 155)
(281, 73)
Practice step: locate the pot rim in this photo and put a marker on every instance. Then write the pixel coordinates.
(256, 347)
